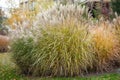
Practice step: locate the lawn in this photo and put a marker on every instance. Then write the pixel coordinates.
(8, 71)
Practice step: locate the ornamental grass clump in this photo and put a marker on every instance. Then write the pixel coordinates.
(116, 24)
(105, 47)
(63, 50)
(58, 44)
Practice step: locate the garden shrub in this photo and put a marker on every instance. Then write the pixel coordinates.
(23, 50)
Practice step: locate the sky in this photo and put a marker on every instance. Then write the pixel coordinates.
(7, 4)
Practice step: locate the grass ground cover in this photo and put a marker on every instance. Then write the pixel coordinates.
(8, 72)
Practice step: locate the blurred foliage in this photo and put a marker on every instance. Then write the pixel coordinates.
(25, 14)
(116, 6)
(3, 29)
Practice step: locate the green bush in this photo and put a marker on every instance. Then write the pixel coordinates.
(116, 6)
(22, 49)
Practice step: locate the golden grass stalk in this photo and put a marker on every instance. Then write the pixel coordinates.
(105, 44)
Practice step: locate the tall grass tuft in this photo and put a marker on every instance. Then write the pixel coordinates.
(61, 50)
(116, 24)
(105, 47)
